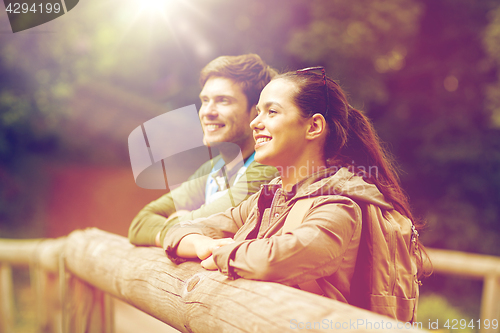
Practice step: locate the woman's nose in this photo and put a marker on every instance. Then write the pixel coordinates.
(256, 123)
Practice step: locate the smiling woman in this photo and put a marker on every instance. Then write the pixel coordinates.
(283, 137)
(317, 225)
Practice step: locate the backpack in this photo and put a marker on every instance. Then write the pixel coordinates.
(383, 252)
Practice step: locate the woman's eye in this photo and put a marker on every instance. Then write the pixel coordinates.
(272, 111)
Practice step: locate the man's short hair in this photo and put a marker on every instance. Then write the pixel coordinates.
(247, 70)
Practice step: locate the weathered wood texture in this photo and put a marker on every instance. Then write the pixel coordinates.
(192, 299)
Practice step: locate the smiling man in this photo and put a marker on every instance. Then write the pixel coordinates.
(231, 87)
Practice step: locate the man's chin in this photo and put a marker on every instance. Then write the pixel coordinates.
(211, 143)
(227, 147)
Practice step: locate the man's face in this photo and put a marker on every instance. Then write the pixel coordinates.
(225, 114)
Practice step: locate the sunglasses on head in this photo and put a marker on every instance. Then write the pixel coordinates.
(322, 69)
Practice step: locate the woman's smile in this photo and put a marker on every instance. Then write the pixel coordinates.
(261, 140)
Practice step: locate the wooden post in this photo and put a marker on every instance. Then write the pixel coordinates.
(85, 309)
(102, 315)
(490, 303)
(6, 299)
(48, 305)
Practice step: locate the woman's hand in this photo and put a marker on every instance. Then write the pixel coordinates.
(206, 245)
(199, 246)
(208, 262)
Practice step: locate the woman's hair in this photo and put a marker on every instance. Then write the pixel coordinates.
(351, 139)
(247, 70)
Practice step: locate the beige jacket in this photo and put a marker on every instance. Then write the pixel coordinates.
(324, 247)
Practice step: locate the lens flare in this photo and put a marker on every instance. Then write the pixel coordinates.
(152, 6)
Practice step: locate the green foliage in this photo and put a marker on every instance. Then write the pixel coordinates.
(450, 151)
(436, 309)
(358, 41)
(492, 45)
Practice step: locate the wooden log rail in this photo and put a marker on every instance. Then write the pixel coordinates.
(184, 296)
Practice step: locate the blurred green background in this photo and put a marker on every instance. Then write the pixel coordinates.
(425, 71)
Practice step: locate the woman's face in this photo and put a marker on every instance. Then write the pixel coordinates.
(279, 130)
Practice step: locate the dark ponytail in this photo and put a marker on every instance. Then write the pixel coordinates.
(364, 150)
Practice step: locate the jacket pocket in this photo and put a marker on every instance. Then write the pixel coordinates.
(401, 309)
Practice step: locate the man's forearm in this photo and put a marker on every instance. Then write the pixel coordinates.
(170, 218)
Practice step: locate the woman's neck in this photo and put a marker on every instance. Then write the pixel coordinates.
(292, 174)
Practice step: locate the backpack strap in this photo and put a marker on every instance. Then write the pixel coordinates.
(292, 221)
(297, 213)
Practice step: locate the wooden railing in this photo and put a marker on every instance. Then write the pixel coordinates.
(91, 265)
(42, 257)
(474, 266)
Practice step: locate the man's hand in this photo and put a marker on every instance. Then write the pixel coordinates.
(177, 214)
(171, 217)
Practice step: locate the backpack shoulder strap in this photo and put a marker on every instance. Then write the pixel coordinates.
(292, 221)
(297, 213)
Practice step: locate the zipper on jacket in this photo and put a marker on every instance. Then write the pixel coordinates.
(392, 245)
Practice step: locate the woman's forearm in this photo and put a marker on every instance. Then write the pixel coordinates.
(195, 246)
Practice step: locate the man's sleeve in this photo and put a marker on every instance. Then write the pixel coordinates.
(151, 219)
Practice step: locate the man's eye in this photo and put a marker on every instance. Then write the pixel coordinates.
(272, 111)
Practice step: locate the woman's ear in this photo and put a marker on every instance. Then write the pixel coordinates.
(317, 126)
